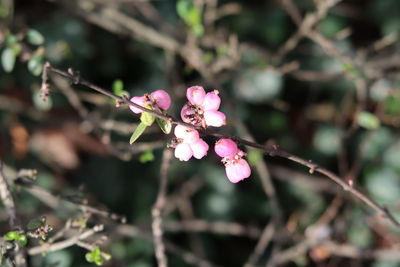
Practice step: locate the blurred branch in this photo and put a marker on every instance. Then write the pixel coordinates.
(158, 208)
(273, 151)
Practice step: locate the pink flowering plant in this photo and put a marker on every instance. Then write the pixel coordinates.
(199, 112)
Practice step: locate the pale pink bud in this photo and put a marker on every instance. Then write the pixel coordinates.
(195, 95)
(238, 171)
(214, 118)
(199, 148)
(162, 99)
(183, 152)
(226, 148)
(186, 113)
(139, 100)
(212, 101)
(188, 135)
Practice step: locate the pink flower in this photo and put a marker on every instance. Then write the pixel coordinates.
(157, 99)
(183, 152)
(195, 95)
(188, 135)
(199, 148)
(162, 99)
(237, 170)
(214, 118)
(139, 100)
(202, 108)
(226, 148)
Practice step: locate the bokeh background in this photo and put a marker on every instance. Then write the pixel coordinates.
(318, 78)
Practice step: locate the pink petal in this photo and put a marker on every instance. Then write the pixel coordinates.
(214, 118)
(199, 148)
(226, 148)
(162, 98)
(212, 101)
(186, 113)
(195, 95)
(139, 100)
(188, 135)
(183, 152)
(238, 171)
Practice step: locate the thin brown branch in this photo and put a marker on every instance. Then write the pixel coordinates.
(273, 151)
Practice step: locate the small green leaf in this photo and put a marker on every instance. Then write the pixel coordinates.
(22, 240)
(8, 58)
(147, 118)
(254, 156)
(11, 236)
(89, 257)
(368, 120)
(146, 156)
(11, 40)
(165, 125)
(106, 256)
(99, 261)
(118, 87)
(138, 132)
(183, 8)
(34, 37)
(35, 65)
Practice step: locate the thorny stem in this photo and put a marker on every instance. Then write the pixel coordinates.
(273, 151)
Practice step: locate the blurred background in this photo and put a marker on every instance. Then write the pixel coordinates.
(320, 78)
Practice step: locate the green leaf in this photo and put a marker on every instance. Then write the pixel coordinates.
(118, 87)
(99, 261)
(34, 37)
(165, 125)
(138, 132)
(22, 240)
(35, 65)
(183, 8)
(11, 236)
(254, 156)
(11, 40)
(89, 257)
(368, 120)
(106, 256)
(8, 59)
(147, 118)
(146, 156)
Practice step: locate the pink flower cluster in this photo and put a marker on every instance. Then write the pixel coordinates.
(201, 110)
(189, 144)
(158, 99)
(236, 167)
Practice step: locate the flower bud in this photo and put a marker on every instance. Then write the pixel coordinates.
(237, 171)
(214, 118)
(183, 152)
(199, 148)
(195, 95)
(226, 148)
(162, 99)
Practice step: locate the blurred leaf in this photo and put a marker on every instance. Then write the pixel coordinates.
(189, 13)
(258, 86)
(378, 141)
(8, 58)
(380, 89)
(165, 125)
(35, 65)
(34, 37)
(11, 40)
(392, 105)
(350, 70)
(10, 236)
(22, 240)
(138, 132)
(146, 156)
(118, 87)
(384, 185)
(391, 157)
(326, 139)
(368, 120)
(331, 25)
(147, 118)
(359, 234)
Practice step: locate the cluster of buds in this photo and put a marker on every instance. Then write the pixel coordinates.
(201, 110)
